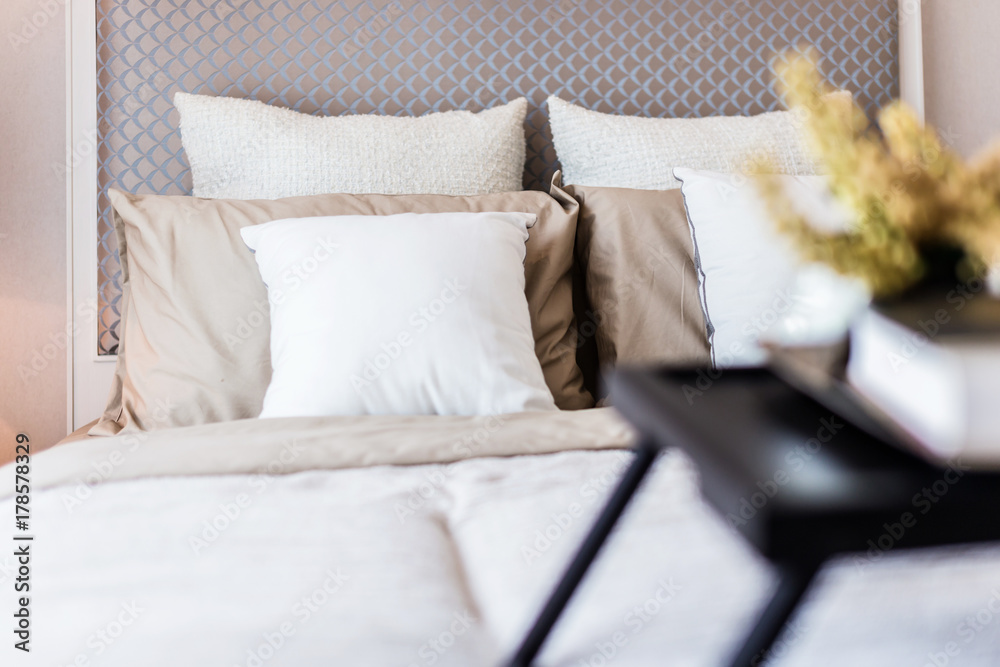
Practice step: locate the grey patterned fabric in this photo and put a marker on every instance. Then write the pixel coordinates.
(662, 58)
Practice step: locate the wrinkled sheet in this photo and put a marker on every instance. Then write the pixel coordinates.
(433, 541)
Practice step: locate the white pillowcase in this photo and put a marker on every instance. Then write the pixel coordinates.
(747, 269)
(606, 150)
(400, 314)
(244, 149)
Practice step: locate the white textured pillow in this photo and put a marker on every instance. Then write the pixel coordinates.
(606, 150)
(746, 268)
(399, 314)
(244, 149)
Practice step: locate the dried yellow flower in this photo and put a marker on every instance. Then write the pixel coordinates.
(906, 189)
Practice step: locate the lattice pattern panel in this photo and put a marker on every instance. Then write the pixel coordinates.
(680, 58)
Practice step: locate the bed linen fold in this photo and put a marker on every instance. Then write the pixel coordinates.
(289, 445)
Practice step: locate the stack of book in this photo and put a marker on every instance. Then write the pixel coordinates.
(931, 366)
(923, 372)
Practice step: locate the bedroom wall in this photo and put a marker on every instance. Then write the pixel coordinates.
(961, 54)
(32, 223)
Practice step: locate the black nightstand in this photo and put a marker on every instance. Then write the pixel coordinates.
(798, 481)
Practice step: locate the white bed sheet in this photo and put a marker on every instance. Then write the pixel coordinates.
(443, 564)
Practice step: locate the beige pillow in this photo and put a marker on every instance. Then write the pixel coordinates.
(195, 333)
(638, 261)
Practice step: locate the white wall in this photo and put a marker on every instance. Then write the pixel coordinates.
(961, 58)
(32, 223)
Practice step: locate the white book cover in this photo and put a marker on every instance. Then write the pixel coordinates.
(942, 390)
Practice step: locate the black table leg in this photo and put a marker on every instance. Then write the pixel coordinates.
(645, 454)
(793, 582)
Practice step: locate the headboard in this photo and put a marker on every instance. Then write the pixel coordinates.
(684, 58)
(680, 58)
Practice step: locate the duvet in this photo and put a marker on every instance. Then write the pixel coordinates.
(414, 542)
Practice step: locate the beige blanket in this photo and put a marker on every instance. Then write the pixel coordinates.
(283, 446)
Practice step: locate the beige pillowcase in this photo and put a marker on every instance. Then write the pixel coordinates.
(636, 252)
(195, 332)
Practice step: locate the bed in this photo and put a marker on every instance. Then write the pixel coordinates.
(430, 539)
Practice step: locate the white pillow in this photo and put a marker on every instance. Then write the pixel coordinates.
(747, 270)
(244, 149)
(399, 314)
(606, 150)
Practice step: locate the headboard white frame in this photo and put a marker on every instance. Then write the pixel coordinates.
(89, 374)
(911, 55)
